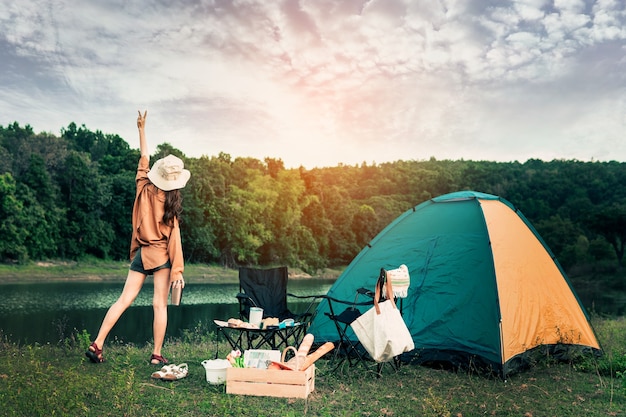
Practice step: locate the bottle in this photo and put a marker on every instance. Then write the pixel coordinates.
(177, 293)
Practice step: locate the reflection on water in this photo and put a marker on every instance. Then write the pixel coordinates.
(45, 313)
(29, 298)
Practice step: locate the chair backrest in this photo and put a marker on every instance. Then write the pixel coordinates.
(267, 288)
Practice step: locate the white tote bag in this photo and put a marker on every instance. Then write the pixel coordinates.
(381, 329)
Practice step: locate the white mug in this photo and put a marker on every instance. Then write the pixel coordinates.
(256, 316)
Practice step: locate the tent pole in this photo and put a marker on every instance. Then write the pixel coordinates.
(503, 375)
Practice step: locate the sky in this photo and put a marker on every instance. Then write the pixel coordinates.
(317, 83)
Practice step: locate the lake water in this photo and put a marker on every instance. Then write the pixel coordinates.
(46, 313)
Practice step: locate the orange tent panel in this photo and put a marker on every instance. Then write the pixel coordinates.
(536, 303)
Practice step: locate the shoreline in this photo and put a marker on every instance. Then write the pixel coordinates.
(110, 271)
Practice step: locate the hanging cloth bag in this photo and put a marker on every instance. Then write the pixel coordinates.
(381, 329)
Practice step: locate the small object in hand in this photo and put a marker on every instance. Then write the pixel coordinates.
(177, 293)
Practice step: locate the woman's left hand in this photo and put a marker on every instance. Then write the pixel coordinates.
(178, 283)
(141, 119)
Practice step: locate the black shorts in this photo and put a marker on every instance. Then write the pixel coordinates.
(137, 265)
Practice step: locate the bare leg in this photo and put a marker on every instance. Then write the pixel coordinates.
(134, 282)
(159, 304)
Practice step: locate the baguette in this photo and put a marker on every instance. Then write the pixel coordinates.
(303, 350)
(321, 351)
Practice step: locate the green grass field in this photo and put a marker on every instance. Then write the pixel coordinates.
(53, 380)
(58, 380)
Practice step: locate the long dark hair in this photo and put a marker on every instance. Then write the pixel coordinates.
(173, 206)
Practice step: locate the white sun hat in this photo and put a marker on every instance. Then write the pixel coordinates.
(169, 174)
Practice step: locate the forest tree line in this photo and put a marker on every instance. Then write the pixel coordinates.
(70, 197)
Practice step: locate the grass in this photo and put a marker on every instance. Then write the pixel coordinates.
(49, 380)
(100, 270)
(53, 380)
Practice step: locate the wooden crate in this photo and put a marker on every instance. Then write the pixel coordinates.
(270, 382)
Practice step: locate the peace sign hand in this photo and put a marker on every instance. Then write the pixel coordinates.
(141, 120)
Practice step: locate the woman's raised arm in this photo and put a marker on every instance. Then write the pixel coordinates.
(141, 125)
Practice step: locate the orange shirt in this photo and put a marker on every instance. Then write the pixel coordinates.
(158, 241)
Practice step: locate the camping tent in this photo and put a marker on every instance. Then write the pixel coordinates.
(484, 286)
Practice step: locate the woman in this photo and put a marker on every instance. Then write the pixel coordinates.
(155, 247)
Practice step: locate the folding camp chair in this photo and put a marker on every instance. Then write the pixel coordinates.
(347, 348)
(267, 289)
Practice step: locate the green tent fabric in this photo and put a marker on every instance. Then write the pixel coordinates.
(484, 287)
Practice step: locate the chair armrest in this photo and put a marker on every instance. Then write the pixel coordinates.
(245, 299)
(242, 296)
(306, 315)
(306, 296)
(348, 303)
(365, 291)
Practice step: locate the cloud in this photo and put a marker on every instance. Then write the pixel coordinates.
(326, 81)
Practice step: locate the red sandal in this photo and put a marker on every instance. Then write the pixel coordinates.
(94, 353)
(161, 360)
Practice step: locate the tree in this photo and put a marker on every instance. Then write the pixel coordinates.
(284, 217)
(316, 222)
(38, 195)
(12, 226)
(364, 225)
(340, 211)
(165, 149)
(18, 141)
(201, 199)
(246, 231)
(610, 222)
(116, 213)
(85, 193)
